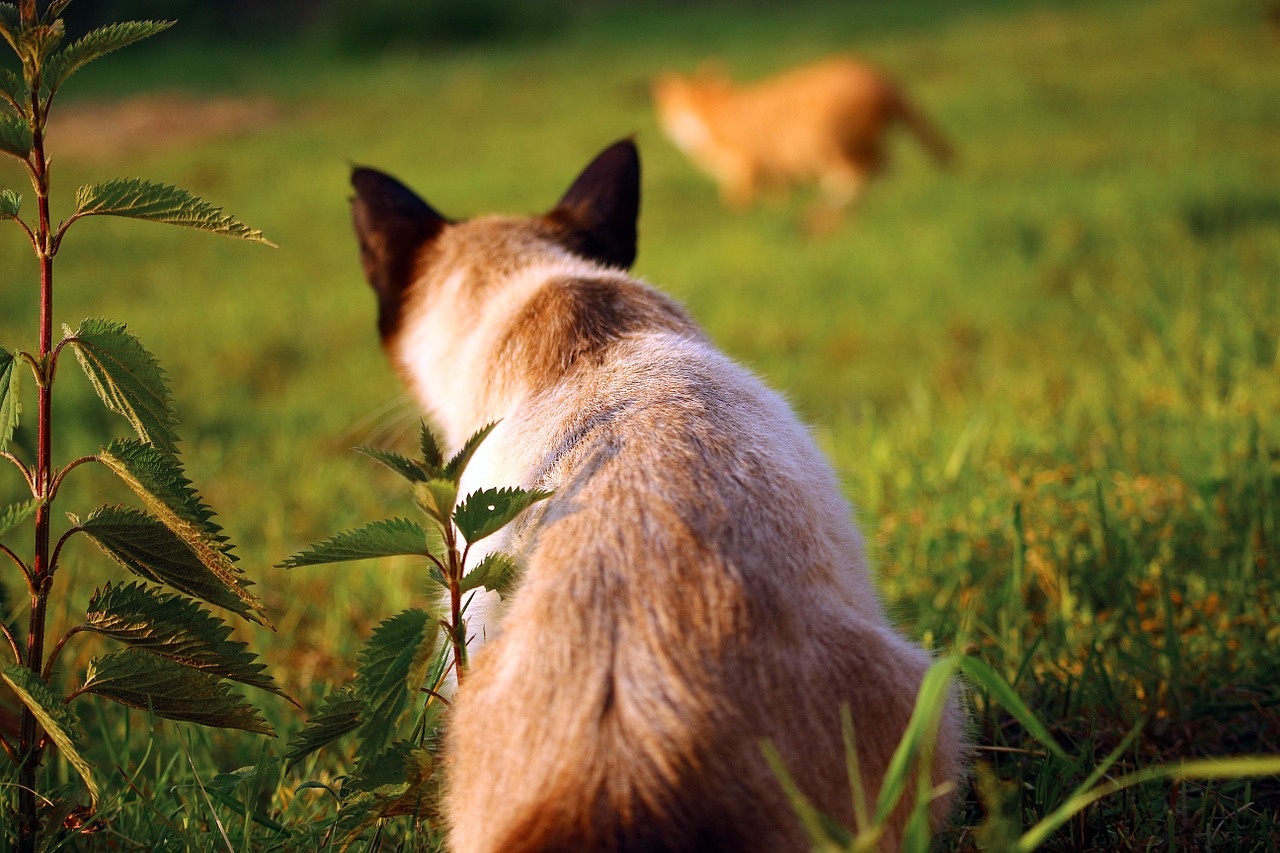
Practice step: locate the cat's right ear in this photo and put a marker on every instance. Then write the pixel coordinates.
(392, 224)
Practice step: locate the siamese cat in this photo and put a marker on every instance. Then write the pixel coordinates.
(824, 123)
(694, 588)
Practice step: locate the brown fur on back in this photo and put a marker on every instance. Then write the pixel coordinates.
(694, 587)
(823, 123)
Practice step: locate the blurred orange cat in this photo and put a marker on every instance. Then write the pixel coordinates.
(822, 123)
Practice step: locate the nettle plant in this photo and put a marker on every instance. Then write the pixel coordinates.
(176, 659)
(394, 704)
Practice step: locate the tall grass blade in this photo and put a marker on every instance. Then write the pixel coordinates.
(989, 680)
(825, 835)
(921, 730)
(1200, 769)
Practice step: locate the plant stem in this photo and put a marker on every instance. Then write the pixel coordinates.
(29, 745)
(457, 632)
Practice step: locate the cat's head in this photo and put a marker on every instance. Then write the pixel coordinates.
(407, 248)
(682, 105)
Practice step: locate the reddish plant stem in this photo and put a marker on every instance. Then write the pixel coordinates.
(30, 746)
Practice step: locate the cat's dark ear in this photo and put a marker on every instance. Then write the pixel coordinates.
(601, 208)
(391, 224)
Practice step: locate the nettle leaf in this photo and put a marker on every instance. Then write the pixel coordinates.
(36, 42)
(14, 91)
(487, 511)
(168, 689)
(402, 465)
(15, 136)
(391, 537)
(496, 572)
(157, 478)
(437, 498)
(453, 471)
(431, 455)
(339, 713)
(10, 404)
(154, 202)
(13, 515)
(393, 665)
(10, 204)
(177, 628)
(153, 552)
(10, 24)
(95, 44)
(58, 721)
(396, 783)
(55, 8)
(128, 379)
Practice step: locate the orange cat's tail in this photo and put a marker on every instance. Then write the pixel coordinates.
(925, 130)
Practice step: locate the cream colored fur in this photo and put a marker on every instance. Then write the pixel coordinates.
(694, 587)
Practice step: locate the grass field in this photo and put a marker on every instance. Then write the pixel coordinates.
(1049, 377)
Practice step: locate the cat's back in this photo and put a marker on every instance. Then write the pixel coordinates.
(829, 87)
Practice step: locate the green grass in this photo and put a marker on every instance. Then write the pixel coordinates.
(1049, 377)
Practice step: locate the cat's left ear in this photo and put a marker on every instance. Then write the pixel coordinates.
(601, 208)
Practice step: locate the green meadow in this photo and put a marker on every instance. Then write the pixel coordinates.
(1049, 376)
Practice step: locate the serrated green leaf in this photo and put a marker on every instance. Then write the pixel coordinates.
(13, 515)
(496, 572)
(154, 552)
(58, 721)
(157, 478)
(154, 202)
(14, 92)
(15, 136)
(392, 666)
(402, 465)
(339, 713)
(10, 404)
(390, 537)
(36, 42)
(437, 498)
(145, 681)
(458, 464)
(988, 679)
(95, 44)
(431, 455)
(128, 379)
(10, 24)
(55, 9)
(396, 783)
(487, 511)
(10, 204)
(176, 628)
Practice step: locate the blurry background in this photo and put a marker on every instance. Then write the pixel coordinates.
(1048, 376)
